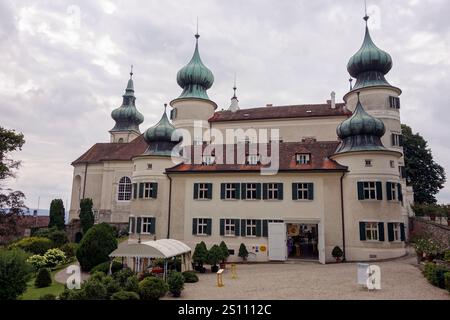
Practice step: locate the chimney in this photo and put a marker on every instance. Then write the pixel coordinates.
(269, 105)
(333, 100)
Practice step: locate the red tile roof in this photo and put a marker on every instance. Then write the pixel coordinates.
(280, 112)
(319, 151)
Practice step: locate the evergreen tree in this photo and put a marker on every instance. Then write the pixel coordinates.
(423, 173)
(86, 215)
(57, 214)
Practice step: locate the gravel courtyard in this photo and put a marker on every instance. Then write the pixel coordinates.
(400, 279)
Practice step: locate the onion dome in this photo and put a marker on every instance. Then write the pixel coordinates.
(195, 78)
(127, 117)
(162, 137)
(360, 132)
(370, 64)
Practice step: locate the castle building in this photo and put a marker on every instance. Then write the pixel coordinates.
(339, 178)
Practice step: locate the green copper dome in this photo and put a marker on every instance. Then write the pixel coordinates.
(127, 117)
(370, 64)
(159, 137)
(360, 132)
(195, 78)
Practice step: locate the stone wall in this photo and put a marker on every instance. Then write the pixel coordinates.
(438, 231)
(73, 229)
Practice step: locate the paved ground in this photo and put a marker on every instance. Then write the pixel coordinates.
(401, 279)
(62, 275)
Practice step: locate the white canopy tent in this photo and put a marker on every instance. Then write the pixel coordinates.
(141, 253)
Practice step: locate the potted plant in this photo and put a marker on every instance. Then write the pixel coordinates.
(243, 253)
(214, 257)
(225, 254)
(200, 256)
(175, 283)
(337, 253)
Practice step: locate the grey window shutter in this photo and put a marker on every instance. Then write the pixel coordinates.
(389, 190)
(400, 193)
(390, 231)
(258, 228)
(393, 139)
(238, 190)
(141, 190)
(280, 191)
(381, 231)
(402, 232)
(194, 226)
(243, 191)
(138, 225)
(294, 191)
(360, 190)
(237, 228)
(132, 224)
(265, 191)
(208, 227)
(243, 228)
(265, 228)
(154, 194)
(209, 192)
(222, 227)
(152, 225)
(379, 190)
(310, 191)
(134, 190)
(258, 191)
(362, 231)
(195, 190)
(222, 191)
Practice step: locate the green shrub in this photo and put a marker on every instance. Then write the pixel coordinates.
(96, 246)
(175, 282)
(190, 277)
(215, 255)
(200, 255)
(225, 252)
(122, 276)
(131, 284)
(86, 215)
(174, 264)
(104, 267)
(37, 261)
(125, 295)
(72, 294)
(447, 281)
(337, 252)
(43, 278)
(54, 257)
(158, 262)
(447, 256)
(47, 296)
(97, 276)
(152, 288)
(435, 274)
(94, 290)
(69, 249)
(144, 275)
(243, 253)
(58, 237)
(14, 273)
(111, 285)
(34, 245)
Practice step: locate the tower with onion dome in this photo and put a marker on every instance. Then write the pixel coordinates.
(127, 117)
(193, 107)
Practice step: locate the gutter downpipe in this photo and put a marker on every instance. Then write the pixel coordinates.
(170, 207)
(84, 182)
(342, 217)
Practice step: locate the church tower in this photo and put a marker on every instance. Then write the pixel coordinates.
(194, 106)
(127, 117)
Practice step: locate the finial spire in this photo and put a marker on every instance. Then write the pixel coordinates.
(366, 16)
(197, 35)
(358, 93)
(131, 72)
(165, 107)
(234, 87)
(351, 83)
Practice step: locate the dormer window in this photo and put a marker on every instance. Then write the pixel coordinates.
(368, 163)
(303, 158)
(208, 160)
(253, 159)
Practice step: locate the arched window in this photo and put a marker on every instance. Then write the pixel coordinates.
(120, 140)
(124, 192)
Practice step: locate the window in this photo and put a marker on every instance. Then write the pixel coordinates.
(120, 140)
(397, 140)
(203, 191)
(230, 191)
(396, 231)
(392, 164)
(230, 227)
(173, 114)
(208, 160)
(149, 166)
(202, 227)
(303, 158)
(302, 191)
(371, 231)
(370, 190)
(148, 188)
(124, 191)
(250, 228)
(252, 159)
(251, 191)
(368, 163)
(273, 191)
(402, 172)
(391, 189)
(394, 102)
(146, 225)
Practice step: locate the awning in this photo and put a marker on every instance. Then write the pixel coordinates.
(164, 248)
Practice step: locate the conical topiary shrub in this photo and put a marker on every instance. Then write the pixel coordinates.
(43, 278)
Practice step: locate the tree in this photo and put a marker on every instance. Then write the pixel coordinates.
(57, 214)
(243, 253)
(43, 278)
(14, 273)
(86, 215)
(96, 246)
(425, 175)
(12, 203)
(200, 254)
(225, 251)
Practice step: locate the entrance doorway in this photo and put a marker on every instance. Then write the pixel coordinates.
(302, 241)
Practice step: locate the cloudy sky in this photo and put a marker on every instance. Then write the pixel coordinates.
(65, 66)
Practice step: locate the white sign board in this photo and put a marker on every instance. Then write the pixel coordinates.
(362, 273)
